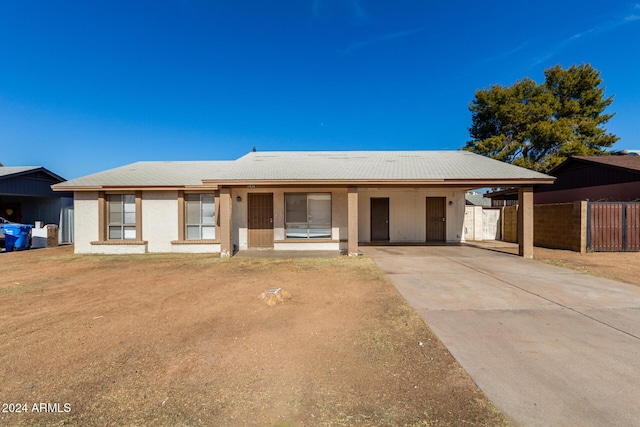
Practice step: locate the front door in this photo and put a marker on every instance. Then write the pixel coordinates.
(379, 219)
(436, 219)
(260, 220)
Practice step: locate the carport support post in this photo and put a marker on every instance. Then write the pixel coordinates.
(226, 245)
(525, 222)
(352, 214)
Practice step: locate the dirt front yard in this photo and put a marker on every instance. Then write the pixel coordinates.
(184, 340)
(621, 266)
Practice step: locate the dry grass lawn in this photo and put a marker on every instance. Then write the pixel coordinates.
(184, 340)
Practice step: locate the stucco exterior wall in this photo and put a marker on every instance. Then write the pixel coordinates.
(196, 248)
(159, 219)
(310, 246)
(407, 222)
(407, 213)
(119, 249)
(85, 221)
(339, 225)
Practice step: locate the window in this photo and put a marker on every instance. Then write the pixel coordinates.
(122, 216)
(308, 215)
(200, 216)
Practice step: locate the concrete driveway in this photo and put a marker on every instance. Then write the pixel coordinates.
(549, 346)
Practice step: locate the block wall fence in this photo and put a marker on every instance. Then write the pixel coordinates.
(556, 226)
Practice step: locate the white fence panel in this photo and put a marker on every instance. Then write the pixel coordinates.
(491, 225)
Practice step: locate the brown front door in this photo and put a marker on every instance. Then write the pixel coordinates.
(260, 220)
(436, 219)
(379, 219)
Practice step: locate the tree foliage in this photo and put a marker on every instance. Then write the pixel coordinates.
(537, 126)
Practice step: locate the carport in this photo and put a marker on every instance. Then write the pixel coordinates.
(26, 196)
(391, 197)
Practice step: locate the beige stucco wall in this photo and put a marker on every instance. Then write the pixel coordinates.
(196, 249)
(310, 246)
(240, 222)
(119, 249)
(85, 220)
(407, 213)
(159, 219)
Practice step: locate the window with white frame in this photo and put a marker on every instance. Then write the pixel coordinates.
(122, 216)
(200, 216)
(308, 215)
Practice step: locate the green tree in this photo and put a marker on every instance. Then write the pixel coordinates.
(537, 126)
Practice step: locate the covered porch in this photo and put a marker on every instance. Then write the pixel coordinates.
(433, 216)
(356, 215)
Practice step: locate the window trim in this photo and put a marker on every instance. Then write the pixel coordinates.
(200, 224)
(103, 215)
(119, 207)
(182, 218)
(308, 237)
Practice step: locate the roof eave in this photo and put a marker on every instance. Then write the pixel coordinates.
(134, 187)
(32, 170)
(387, 182)
(591, 162)
(215, 184)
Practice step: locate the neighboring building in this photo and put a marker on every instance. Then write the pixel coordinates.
(614, 178)
(505, 197)
(288, 200)
(477, 199)
(26, 196)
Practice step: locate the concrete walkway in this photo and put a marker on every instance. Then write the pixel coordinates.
(549, 346)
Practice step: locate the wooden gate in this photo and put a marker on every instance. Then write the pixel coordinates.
(613, 227)
(632, 217)
(260, 220)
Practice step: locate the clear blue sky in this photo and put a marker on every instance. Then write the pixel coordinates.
(87, 85)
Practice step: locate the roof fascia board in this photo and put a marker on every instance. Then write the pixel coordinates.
(135, 188)
(404, 183)
(30, 171)
(590, 162)
(617, 167)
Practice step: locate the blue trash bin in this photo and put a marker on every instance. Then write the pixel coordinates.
(16, 236)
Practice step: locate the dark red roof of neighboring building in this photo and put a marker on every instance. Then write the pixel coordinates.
(626, 162)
